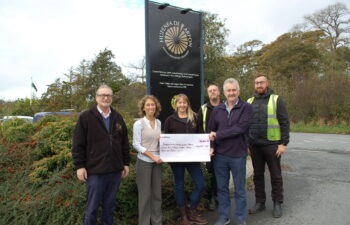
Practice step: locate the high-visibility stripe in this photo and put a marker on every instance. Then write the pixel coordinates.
(250, 100)
(204, 112)
(273, 126)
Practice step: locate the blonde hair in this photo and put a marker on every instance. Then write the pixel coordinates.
(189, 111)
(142, 103)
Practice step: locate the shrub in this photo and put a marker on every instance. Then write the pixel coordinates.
(53, 150)
(16, 130)
(126, 200)
(1, 134)
(45, 120)
(60, 201)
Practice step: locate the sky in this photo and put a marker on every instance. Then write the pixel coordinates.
(43, 39)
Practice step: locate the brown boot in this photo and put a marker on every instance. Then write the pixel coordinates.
(184, 219)
(194, 217)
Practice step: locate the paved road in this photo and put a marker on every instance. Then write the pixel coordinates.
(316, 183)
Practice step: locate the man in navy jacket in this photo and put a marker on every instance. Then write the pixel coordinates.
(229, 124)
(101, 155)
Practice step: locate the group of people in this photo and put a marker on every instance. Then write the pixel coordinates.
(236, 128)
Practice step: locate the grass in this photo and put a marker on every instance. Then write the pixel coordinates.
(321, 128)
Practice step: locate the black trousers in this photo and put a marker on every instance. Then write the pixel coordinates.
(262, 155)
(212, 190)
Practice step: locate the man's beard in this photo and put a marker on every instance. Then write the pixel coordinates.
(214, 99)
(261, 90)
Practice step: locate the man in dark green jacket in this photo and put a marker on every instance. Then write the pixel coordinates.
(203, 119)
(101, 155)
(268, 139)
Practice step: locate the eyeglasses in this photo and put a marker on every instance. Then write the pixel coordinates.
(105, 96)
(260, 82)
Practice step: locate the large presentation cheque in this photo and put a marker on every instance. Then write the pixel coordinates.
(184, 147)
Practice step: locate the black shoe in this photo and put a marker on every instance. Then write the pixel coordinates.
(258, 207)
(277, 209)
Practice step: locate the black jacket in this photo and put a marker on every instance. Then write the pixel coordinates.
(96, 149)
(174, 125)
(210, 108)
(258, 125)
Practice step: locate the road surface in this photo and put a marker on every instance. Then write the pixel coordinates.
(316, 172)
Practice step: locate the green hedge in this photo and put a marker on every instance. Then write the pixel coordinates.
(16, 130)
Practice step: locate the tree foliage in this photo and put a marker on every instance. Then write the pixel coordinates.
(77, 91)
(25, 107)
(293, 55)
(129, 96)
(215, 42)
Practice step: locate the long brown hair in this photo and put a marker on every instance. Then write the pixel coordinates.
(142, 103)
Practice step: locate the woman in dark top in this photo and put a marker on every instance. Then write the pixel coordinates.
(184, 120)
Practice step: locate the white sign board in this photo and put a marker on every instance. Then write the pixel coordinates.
(184, 147)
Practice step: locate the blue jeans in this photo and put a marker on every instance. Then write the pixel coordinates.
(194, 169)
(222, 167)
(101, 190)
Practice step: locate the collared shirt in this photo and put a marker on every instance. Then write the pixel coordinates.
(137, 138)
(103, 114)
(228, 108)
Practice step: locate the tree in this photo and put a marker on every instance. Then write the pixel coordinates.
(25, 107)
(215, 35)
(140, 70)
(131, 96)
(77, 91)
(292, 56)
(215, 42)
(249, 48)
(55, 98)
(103, 70)
(334, 21)
(246, 58)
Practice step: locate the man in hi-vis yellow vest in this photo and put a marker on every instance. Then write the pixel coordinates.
(268, 139)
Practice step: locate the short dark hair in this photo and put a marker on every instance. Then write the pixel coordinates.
(260, 75)
(212, 84)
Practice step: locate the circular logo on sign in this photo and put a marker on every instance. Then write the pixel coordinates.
(176, 39)
(173, 102)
